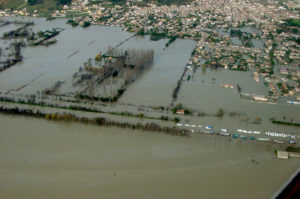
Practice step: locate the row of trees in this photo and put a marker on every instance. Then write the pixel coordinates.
(134, 61)
(98, 121)
(104, 122)
(166, 2)
(20, 32)
(63, 2)
(54, 88)
(138, 58)
(14, 56)
(59, 2)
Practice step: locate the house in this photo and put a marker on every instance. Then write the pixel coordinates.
(181, 111)
(227, 85)
(284, 71)
(282, 154)
(260, 98)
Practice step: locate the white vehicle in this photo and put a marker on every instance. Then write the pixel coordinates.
(291, 142)
(209, 127)
(224, 134)
(189, 68)
(267, 133)
(278, 141)
(264, 139)
(223, 130)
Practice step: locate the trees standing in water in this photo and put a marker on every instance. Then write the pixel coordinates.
(127, 65)
(136, 61)
(14, 56)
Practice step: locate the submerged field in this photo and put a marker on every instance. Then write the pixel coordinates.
(42, 67)
(204, 93)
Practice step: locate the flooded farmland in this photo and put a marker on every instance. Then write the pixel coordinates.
(42, 67)
(156, 86)
(52, 63)
(204, 93)
(46, 159)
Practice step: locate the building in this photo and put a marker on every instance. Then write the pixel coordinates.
(227, 85)
(283, 154)
(260, 98)
(181, 111)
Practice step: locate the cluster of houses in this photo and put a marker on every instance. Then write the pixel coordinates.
(9, 12)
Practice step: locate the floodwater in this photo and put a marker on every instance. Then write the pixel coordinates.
(51, 64)
(43, 66)
(47, 65)
(155, 87)
(204, 93)
(236, 41)
(42, 159)
(257, 43)
(250, 29)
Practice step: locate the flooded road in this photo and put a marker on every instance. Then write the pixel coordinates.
(42, 159)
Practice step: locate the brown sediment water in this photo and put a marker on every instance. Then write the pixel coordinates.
(43, 159)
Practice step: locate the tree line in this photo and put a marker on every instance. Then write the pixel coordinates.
(100, 121)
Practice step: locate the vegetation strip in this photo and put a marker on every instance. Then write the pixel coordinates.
(84, 109)
(100, 121)
(286, 123)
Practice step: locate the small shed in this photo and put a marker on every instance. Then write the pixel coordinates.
(283, 154)
(181, 111)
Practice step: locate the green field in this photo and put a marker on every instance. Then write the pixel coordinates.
(12, 3)
(293, 22)
(45, 5)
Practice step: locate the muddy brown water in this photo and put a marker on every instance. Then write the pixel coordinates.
(42, 159)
